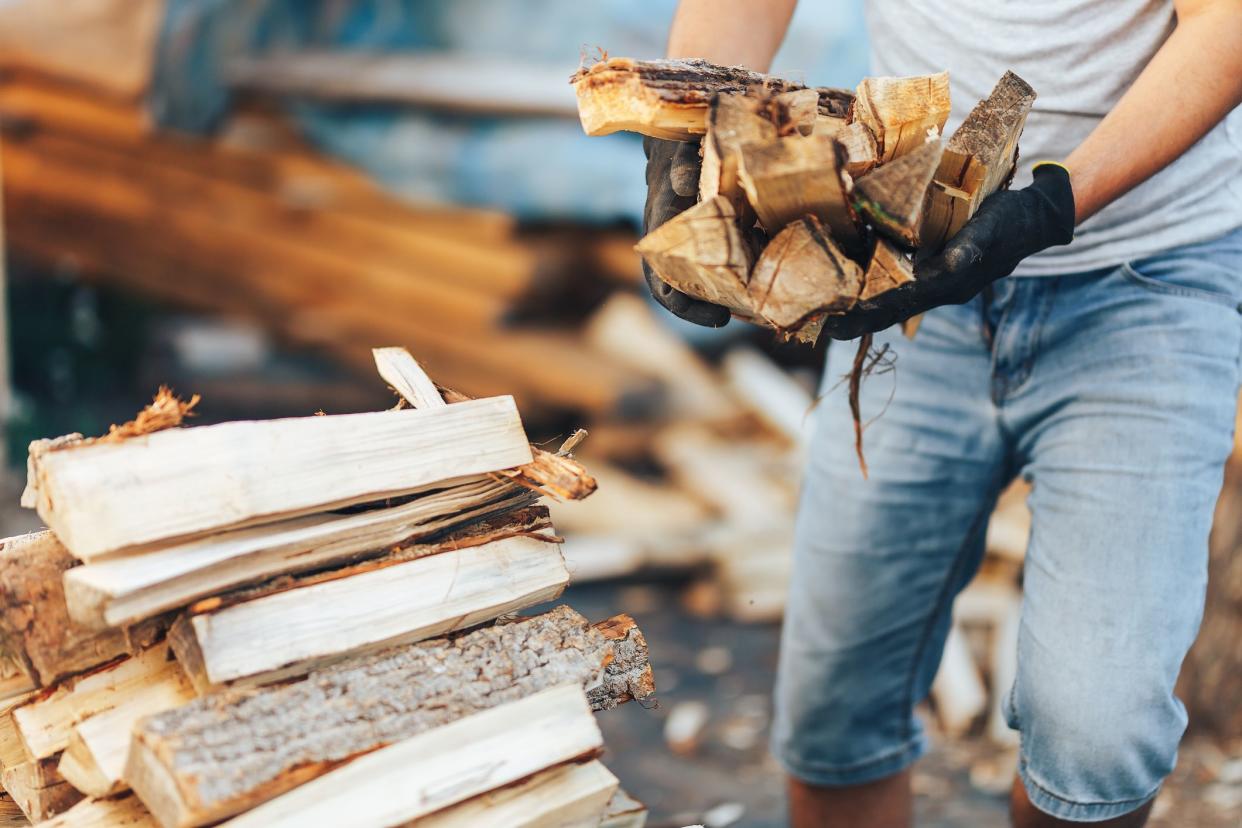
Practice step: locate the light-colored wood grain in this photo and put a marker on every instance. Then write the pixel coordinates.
(889, 268)
(732, 121)
(624, 811)
(38, 788)
(563, 797)
(901, 111)
(12, 749)
(400, 370)
(103, 497)
(290, 633)
(426, 773)
(803, 274)
(788, 178)
(116, 812)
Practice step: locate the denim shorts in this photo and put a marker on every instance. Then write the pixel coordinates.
(1114, 393)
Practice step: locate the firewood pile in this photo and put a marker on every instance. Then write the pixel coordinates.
(257, 622)
(811, 201)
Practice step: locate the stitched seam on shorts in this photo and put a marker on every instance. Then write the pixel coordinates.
(910, 745)
(945, 588)
(1131, 274)
(1026, 773)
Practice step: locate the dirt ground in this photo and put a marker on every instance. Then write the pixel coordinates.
(729, 779)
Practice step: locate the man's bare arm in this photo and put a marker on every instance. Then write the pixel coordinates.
(730, 32)
(1189, 85)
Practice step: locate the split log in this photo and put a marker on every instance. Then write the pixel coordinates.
(798, 112)
(227, 752)
(35, 628)
(11, 815)
(893, 196)
(788, 178)
(101, 497)
(902, 112)
(702, 253)
(429, 772)
(44, 724)
(802, 274)
(38, 789)
(290, 633)
(732, 121)
(978, 160)
(670, 98)
(889, 268)
(115, 812)
(624, 811)
(770, 392)
(860, 149)
(400, 370)
(569, 796)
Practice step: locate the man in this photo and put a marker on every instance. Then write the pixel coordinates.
(1105, 371)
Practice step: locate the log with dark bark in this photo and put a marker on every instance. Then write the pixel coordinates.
(230, 751)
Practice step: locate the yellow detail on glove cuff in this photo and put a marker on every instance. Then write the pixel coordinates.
(1039, 164)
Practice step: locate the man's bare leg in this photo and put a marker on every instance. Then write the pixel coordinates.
(885, 803)
(1026, 815)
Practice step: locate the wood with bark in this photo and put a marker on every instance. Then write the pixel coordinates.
(669, 98)
(229, 751)
(426, 773)
(569, 796)
(292, 632)
(978, 160)
(889, 268)
(802, 274)
(788, 178)
(901, 112)
(44, 723)
(732, 121)
(114, 812)
(892, 197)
(38, 789)
(702, 253)
(103, 497)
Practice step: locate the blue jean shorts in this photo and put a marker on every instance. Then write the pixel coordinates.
(1114, 393)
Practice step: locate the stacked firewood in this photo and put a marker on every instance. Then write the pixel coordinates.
(811, 201)
(307, 621)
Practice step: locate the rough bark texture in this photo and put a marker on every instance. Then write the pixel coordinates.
(227, 752)
(1211, 681)
(38, 789)
(892, 196)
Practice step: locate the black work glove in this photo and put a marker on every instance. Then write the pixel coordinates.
(672, 186)
(1009, 226)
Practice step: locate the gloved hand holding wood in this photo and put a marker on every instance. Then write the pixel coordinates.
(813, 204)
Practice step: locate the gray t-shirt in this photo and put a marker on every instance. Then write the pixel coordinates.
(1080, 56)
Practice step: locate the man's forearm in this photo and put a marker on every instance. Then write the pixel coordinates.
(730, 32)
(1191, 83)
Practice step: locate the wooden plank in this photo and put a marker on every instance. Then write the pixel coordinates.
(35, 628)
(892, 196)
(788, 178)
(104, 497)
(38, 789)
(229, 751)
(114, 812)
(564, 797)
(802, 274)
(670, 98)
(429, 772)
(128, 588)
(399, 369)
(469, 83)
(45, 723)
(902, 112)
(770, 392)
(701, 252)
(978, 160)
(290, 633)
(94, 759)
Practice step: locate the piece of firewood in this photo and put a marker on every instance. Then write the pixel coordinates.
(797, 111)
(624, 811)
(669, 98)
(125, 589)
(35, 627)
(198, 764)
(892, 197)
(101, 496)
(11, 815)
(400, 370)
(732, 121)
(788, 178)
(860, 150)
(978, 160)
(45, 723)
(568, 796)
(900, 111)
(888, 268)
(38, 789)
(802, 274)
(114, 812)
(289, 633)
(424, 774)
(702, 253)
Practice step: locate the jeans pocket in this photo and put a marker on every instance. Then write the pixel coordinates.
(1206, 281)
